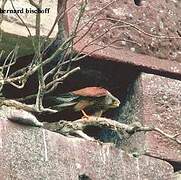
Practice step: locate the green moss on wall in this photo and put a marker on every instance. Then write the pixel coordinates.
(9, 41)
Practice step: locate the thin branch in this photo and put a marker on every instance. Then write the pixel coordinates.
(62, 78)
(95, 15)
(25, 107)
(41, 82)
(21, 19)
(31, 37)
(141, 30)
(18, 105)
(172, 137)
(34, 4)
(107, 29)
(34, 68)
(12, 60)
(19, 71)
(59, 17)
(21, 86)
(76, 23)
(5, 64)
(55, 84)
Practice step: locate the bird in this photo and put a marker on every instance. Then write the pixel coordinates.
(96, 100)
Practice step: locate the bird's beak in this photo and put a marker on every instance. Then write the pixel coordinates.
(116, 103)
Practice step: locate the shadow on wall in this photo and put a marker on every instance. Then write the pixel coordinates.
(119, 79)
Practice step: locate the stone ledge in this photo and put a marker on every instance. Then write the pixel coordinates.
(33, 153)
(160, 107)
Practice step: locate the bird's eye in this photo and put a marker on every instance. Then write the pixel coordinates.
(114, 102)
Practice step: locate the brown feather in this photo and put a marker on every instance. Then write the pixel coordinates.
(82, 104)
(91, 92)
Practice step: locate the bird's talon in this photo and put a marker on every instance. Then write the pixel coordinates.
(85, 116)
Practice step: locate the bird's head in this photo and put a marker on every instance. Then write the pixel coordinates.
(111, 101)
(97, 97)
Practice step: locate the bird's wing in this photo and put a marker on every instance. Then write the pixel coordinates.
(82, 104)
(66, 98)
(91, 92)
(61, 101)
(62, 98)
(63, 106)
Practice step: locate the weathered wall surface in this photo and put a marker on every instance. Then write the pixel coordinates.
(142, 29)
(160, 107)
(33, 153)
(161, 103)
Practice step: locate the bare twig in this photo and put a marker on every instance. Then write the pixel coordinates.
(12, 56)
(21, 19)
(95, 15)
(12, 60)
(18, 105)
(37, 6)
(60, 16)
(25, 107)
(141, 30)
(27, 28)
(52, 85)
(62, 78)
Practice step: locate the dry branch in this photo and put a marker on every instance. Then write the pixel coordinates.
(117, 20)
(67, 127)
(53, 83)
(25, 107)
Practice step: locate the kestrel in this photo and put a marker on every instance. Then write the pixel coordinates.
(90, 99)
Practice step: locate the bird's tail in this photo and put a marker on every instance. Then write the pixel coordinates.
(60, 102)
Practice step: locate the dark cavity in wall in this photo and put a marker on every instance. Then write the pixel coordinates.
(138, 2)
(84, 177)
(119, 79)
(176, 165)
